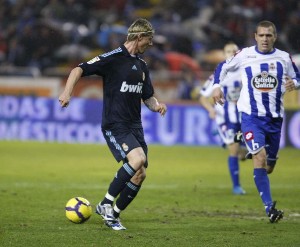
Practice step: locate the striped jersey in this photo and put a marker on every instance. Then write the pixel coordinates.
(231, 87)
(263, 77)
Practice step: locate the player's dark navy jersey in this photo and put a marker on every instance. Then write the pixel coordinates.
(126, 82)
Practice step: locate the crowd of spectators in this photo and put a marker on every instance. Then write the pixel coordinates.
(52, 35)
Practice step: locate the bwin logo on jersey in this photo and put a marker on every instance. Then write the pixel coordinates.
(131, 88)
(264, 82)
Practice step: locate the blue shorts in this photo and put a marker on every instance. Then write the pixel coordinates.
(262, 132)
(122, 139)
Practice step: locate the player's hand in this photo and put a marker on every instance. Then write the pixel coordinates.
(161, 108)
(64, 99)
(289, 84)
(212, 114)
(218, 96)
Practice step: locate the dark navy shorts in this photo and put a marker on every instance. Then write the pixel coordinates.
(260, 132)
(122, 139)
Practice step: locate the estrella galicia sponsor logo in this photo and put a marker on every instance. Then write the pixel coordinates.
(131, 88)
(264, 82)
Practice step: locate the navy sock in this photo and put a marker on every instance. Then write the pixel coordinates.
(262, 182)
(123, 176)
(106, 200)
(233, 165)
(126, 197)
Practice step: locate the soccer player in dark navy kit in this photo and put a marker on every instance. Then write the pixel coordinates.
(126, 83)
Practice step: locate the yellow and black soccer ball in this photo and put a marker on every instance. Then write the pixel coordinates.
(78, 210)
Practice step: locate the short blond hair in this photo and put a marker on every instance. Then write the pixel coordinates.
(139, 27)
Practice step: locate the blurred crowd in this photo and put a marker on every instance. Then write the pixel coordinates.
(49, 36)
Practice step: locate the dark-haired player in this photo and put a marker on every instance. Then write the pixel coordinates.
(227, 117)
(267, 73)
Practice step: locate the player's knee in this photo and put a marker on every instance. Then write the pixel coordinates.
(142, 176)
(142, 159)
(242, 154)
(271, 164)
(259, 161)
(137, 160)
(270, 169)
(139, 177)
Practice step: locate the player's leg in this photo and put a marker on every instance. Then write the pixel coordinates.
(271, 157)
(254, 138)
(134, 185)
(263, 186)
(242, 151)
(124, 175)
(261, 178)
(227, 132)
(118, 145)
(129, 192)
(129, 189)
(233, 166)
(273, 140)
(124, 146)
(116, 141)
(254, 132)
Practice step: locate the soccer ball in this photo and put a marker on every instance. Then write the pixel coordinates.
(78, 210)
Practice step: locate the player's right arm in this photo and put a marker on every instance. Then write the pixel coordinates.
(221, 71)
(205, 95)
(205, 102)
(73, 78)
(217, 93)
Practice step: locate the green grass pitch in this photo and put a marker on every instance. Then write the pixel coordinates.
(186, 199)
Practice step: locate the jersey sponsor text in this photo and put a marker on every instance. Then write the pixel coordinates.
(264, 82)
(112, 52)
(131, 88)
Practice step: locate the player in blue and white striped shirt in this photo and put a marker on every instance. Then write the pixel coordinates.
(227, 117)
(267, 73)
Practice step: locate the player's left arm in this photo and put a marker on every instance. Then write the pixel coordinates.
(153, 105)
(291, 84)
(147, 96)
(292, 80)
